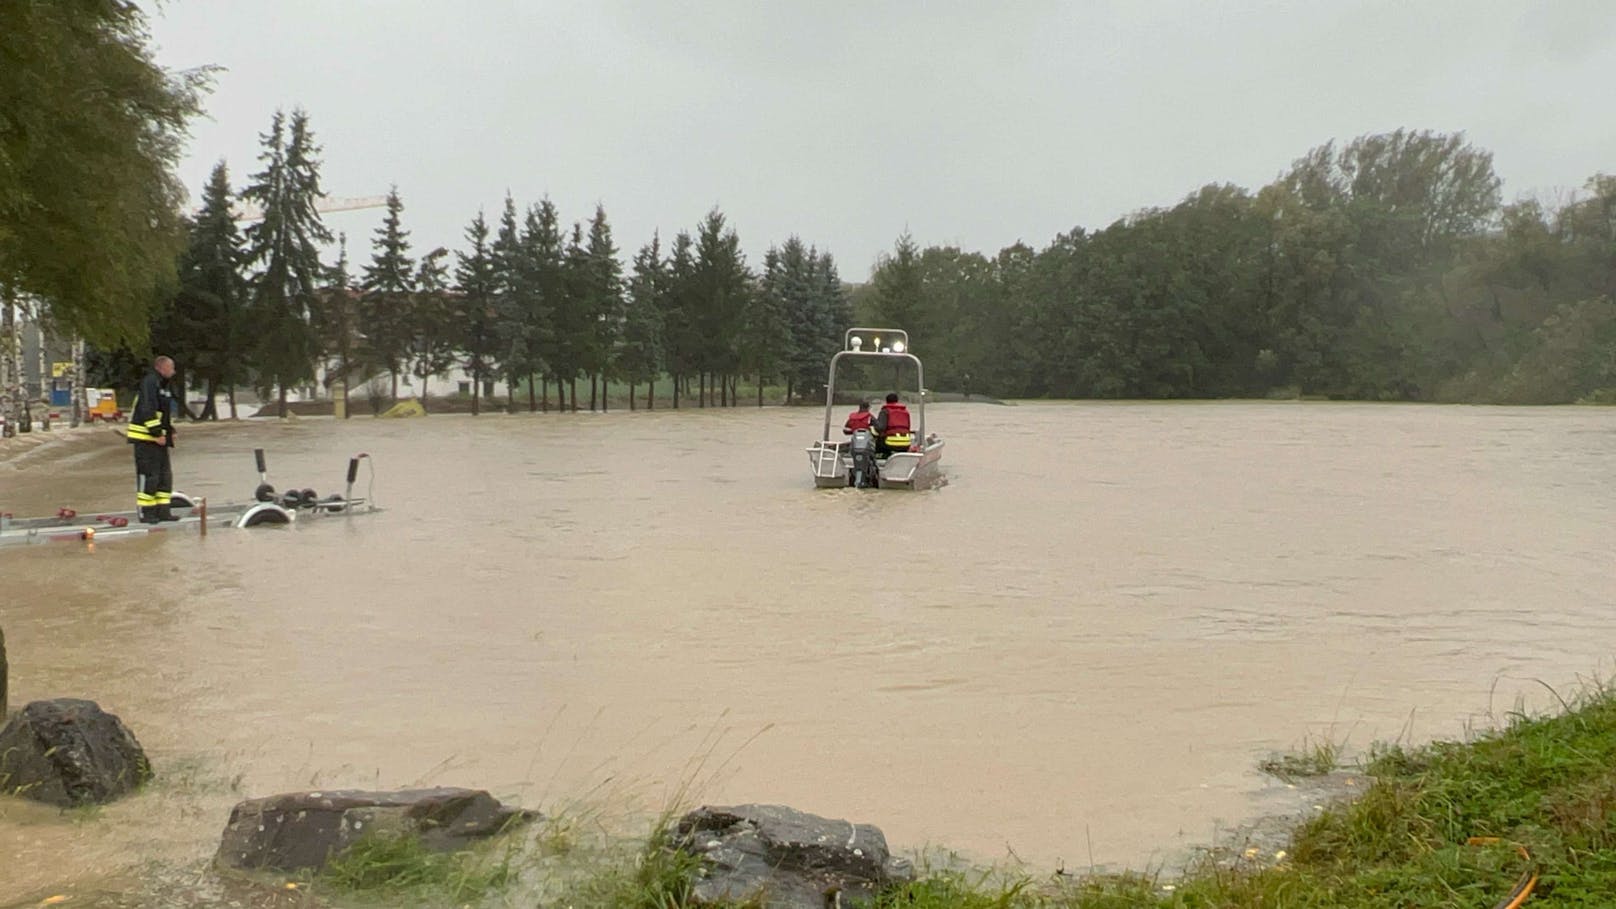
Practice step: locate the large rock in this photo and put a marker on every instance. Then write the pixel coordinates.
(69, 752)
(303, 830)
(785, 858)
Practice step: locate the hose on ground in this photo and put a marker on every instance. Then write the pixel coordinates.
(1527, 881)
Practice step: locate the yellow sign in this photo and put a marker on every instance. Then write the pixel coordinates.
(61, 369)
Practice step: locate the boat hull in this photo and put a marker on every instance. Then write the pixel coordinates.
(832, 466)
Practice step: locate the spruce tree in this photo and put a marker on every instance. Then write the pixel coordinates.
(574, 327)
(603, 301)
(512, 288)
(544, 253)
(337, 321)
(284, 248)
(205, 322)
(898, 287)
(680, 335)
(538, 262)
(832, 314)
(388, 283)
(804, 312)
(474, 314)
(430, 322)
(639, 356)
(765, 337)
(720, 285)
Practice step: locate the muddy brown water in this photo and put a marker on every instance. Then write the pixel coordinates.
(1074, 651)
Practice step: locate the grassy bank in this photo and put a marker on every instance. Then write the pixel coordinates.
(1444, 825)
(1545, 783)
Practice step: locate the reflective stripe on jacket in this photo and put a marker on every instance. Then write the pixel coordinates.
(150, 419)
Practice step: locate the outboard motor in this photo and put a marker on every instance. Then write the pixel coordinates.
(861, 450)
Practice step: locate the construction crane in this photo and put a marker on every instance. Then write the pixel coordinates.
(251, 211)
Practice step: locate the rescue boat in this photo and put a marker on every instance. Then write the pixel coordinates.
(857, 460)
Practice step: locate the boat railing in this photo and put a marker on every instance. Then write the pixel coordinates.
(827, 459)
(920, 375)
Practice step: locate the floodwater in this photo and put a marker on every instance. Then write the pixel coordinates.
(1073, 652)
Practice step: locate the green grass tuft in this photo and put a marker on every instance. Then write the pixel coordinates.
(957, 890)
(390, 865)
(1312, 759)
(654, 876)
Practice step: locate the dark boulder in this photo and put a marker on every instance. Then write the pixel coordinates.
(303, 830)
(69, 752)
(785, 858)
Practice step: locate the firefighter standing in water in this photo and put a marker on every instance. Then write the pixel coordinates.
(858, 419)
(892, 426)
(151, 432)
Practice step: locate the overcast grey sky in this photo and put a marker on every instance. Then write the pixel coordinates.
(975, 124)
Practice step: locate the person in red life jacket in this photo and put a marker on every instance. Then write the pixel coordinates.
(858, 419)
(892, 426)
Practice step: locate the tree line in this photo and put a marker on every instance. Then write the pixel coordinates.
(1386, 267)
(527, 299)
(1382, 269)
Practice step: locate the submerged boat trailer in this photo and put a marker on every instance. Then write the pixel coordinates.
(195, 513)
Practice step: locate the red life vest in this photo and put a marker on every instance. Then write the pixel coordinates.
(859, 419)
(897, 419)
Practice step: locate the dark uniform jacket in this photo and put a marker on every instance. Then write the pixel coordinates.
(151, 420)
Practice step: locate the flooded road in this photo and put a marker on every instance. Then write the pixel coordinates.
(1076, 650)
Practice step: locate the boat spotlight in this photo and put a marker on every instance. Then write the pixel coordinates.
(897, 347)
(857, 342)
